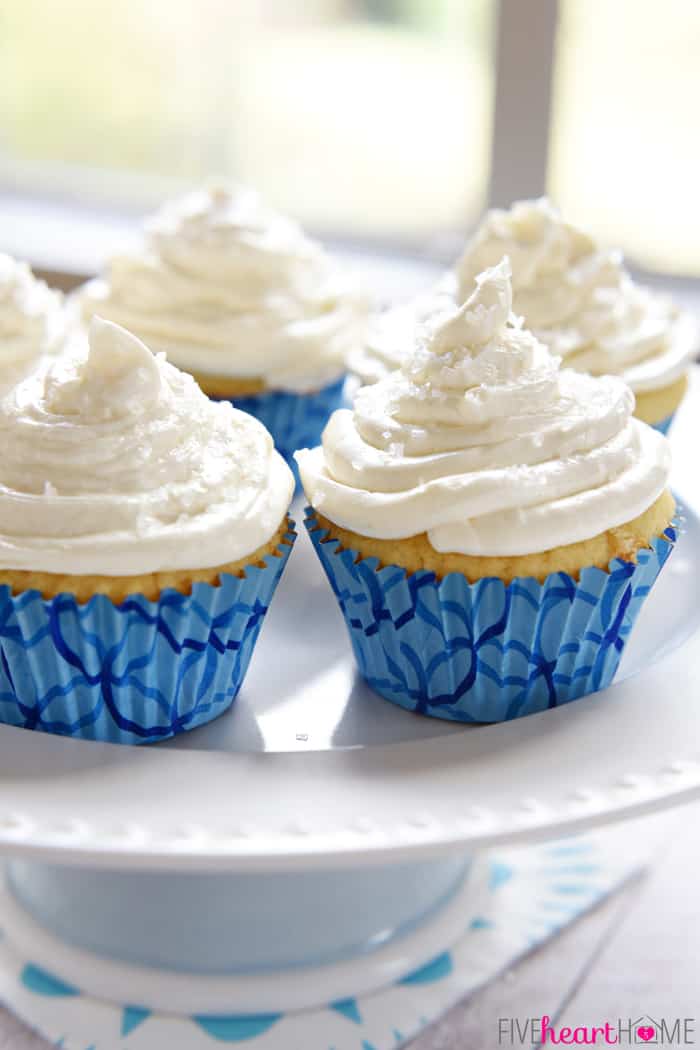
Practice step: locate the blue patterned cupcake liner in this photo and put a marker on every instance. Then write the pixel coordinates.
(294, 420)
(664, 425)
(486, 652)
(135, 672)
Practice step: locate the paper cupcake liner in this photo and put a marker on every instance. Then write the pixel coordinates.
(486, 652)
(664, 425)
(294, 420)
(135, 672)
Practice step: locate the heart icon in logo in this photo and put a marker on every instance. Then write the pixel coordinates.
(646, 1032)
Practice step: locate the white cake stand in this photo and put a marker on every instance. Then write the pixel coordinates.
(312, 844)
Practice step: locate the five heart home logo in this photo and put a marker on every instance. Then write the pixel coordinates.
(644, 1030)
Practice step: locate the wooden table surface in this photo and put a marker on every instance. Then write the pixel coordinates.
(637, 953)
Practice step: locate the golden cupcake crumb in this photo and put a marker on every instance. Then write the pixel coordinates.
(416, 552)
(229, 386)
(118, 588)
(652, 406)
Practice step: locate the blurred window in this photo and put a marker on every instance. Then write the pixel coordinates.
(624, 148)
(367, 118)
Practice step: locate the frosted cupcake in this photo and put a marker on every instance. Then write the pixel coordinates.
(490, 524)
(240, 298)
(581, 302)
(143, 529)
(577, 299)
(32, 318)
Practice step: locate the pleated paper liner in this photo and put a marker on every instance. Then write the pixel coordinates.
(135, 672)
(484, 651)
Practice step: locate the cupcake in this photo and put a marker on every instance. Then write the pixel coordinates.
(576, 298)
(489, 523)
(143, 530)
(32, 318)
(240, 298)
(580, 301)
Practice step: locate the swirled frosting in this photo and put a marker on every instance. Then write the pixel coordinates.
(391, 333)
(32, 321)
(227, 287)
(480, 441)
(115, 463)
(579, 300)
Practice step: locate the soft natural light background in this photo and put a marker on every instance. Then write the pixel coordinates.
(625, 144)
(363, 117)
(367, 119)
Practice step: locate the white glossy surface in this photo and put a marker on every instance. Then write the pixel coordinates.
(349, 779)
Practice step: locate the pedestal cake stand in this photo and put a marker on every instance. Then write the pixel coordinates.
(312, 844)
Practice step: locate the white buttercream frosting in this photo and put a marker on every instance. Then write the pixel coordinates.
(32, 319)
(391, 334)
(480, 441)
(227, 287)
(115, 463)
(579, 299)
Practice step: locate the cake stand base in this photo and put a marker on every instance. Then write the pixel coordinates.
(235, 943)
